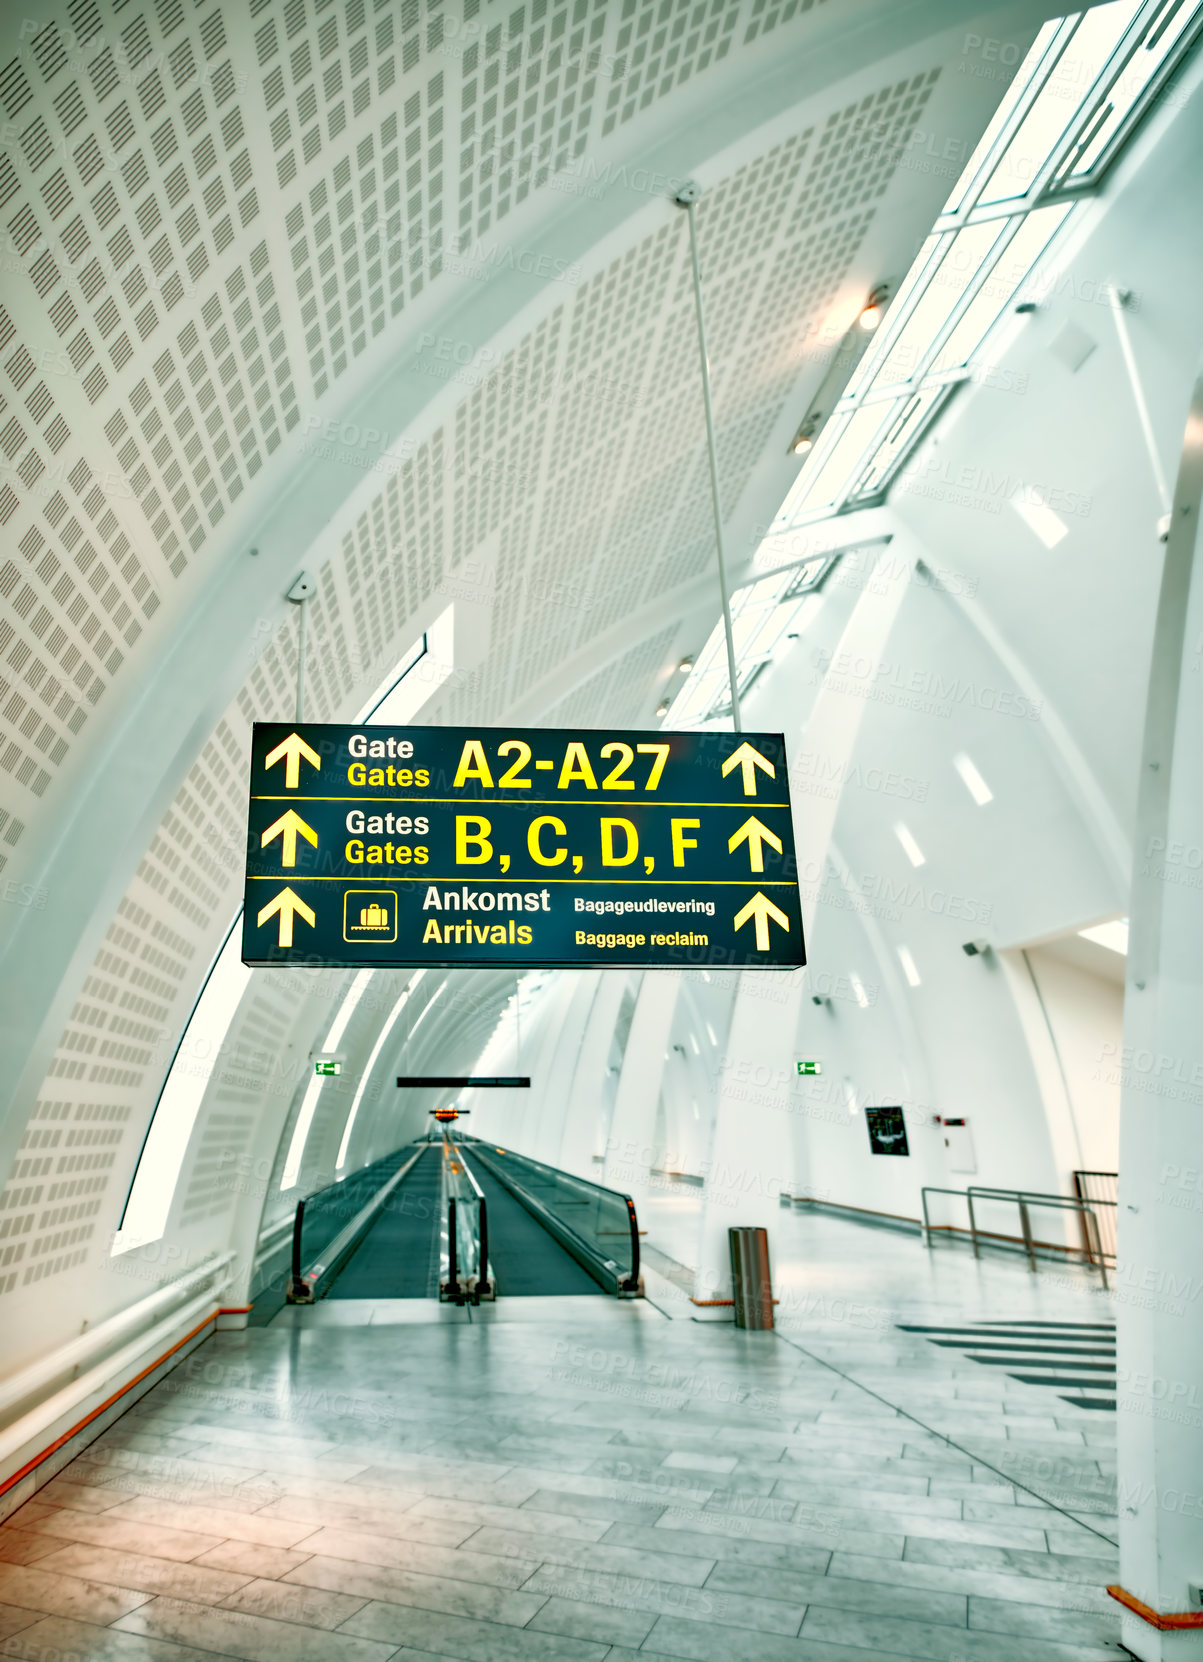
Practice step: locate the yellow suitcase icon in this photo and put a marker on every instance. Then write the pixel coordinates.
(373, 917)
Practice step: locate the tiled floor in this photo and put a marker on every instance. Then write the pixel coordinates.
(582, 1480)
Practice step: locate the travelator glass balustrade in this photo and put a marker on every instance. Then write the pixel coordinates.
(597, 1226)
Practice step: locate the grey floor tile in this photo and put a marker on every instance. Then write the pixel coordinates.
(678, 1636)
(469, 1641)
(13, 1619)
(723, 1548)
(275, 1531)
(310, 1606)
(841, 1593)
(23, 1546)
(592, 1621)
(616, 1557)
(1041, 1622)
(1045, 1566)
(254, 1638)
(629, 1592)
(886, 1636)
(55, 1639)
(250, 1559)
(472, 1515)
(124, 1534)
(471, 1563)
(27, 1586)
(144, 1573)
(611, 1509)
(427, 1592)
(984, 1583)
(82, 1497)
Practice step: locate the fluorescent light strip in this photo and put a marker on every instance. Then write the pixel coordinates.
(1113, 935)
(909, 846)
(973, 781)
(296, 1148)
(858, 987)
(909, 967)
(371, 1063)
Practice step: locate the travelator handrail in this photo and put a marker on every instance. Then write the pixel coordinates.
(475, 1284)
(605, 1271)
(302, 1283)
(1024, 1199)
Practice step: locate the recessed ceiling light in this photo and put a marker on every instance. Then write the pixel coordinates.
(909, 846)
(802, 444)
(685, 665)
(662, 709)
(871, 312)
(974, 783)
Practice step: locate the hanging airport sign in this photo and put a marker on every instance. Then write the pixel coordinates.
(494, 847)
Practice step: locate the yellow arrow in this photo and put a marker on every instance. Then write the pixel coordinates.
(749, 760)
(288, 905)
(751, 832)
(290, 825)
(292, 749)
(762, 909)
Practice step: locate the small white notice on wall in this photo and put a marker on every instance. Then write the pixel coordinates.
(959, 1146)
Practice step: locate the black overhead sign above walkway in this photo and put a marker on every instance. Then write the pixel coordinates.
(494, 847)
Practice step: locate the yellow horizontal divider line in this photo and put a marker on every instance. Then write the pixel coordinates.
(632, 882)
(522, 802)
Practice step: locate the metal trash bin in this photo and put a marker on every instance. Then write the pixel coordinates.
(750, 1278)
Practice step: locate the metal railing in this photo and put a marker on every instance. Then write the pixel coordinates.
(469, 1277)
(326, 1246)
(1025, 1200)
(1100, 1189)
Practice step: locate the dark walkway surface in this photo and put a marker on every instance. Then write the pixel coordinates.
(399, 1255)
(526, 1261)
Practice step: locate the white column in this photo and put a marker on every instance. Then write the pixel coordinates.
(755, 1130)
(583, 1132)
(629, 1148)
(1160, 1307)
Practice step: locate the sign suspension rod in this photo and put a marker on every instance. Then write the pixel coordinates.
(687, 198)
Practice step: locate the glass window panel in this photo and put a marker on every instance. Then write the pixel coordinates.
(910, 415)
(962, 261)
(833, 476)
(1104, 122)
(914, 278)
(1013, 96)
(994, 296)
(1059, 100)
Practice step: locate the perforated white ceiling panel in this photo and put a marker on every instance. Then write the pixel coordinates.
(215, 212)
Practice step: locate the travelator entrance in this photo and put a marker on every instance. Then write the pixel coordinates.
(457, 1219)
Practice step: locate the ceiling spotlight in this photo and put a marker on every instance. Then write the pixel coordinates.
(685, 665)
(805, 437)
(871, 315)
(662, 708)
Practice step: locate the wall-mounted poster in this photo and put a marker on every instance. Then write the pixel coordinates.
(887, 1130)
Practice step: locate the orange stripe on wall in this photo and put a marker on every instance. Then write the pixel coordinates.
(1164, 1624)
(66, 1437)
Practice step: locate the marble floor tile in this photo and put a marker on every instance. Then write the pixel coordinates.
(886, 1636)
(28, 1586)
(427, 1592)
(144, 1573)
(253, 1638)
(724, 1609)
(13, 1619)
(864, 1597)
(471, 1562)
(55, 1639)
(125, 1534)
(251, 1558)
(431, 1632)
(257, 1527)
(310, 1606)
(688, 1571)
(472, 1515)
(24, 1546)
(600, 1622)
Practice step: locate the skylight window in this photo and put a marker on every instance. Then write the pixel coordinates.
(1076, 99)
(1113, 935)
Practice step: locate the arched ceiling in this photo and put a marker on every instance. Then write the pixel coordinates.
(252, 242)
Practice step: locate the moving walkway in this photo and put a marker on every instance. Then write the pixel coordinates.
(462, 1220)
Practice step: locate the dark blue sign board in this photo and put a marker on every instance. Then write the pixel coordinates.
(496, 847)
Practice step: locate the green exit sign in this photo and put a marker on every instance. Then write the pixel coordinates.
(810, 1067)
(326, 1070)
